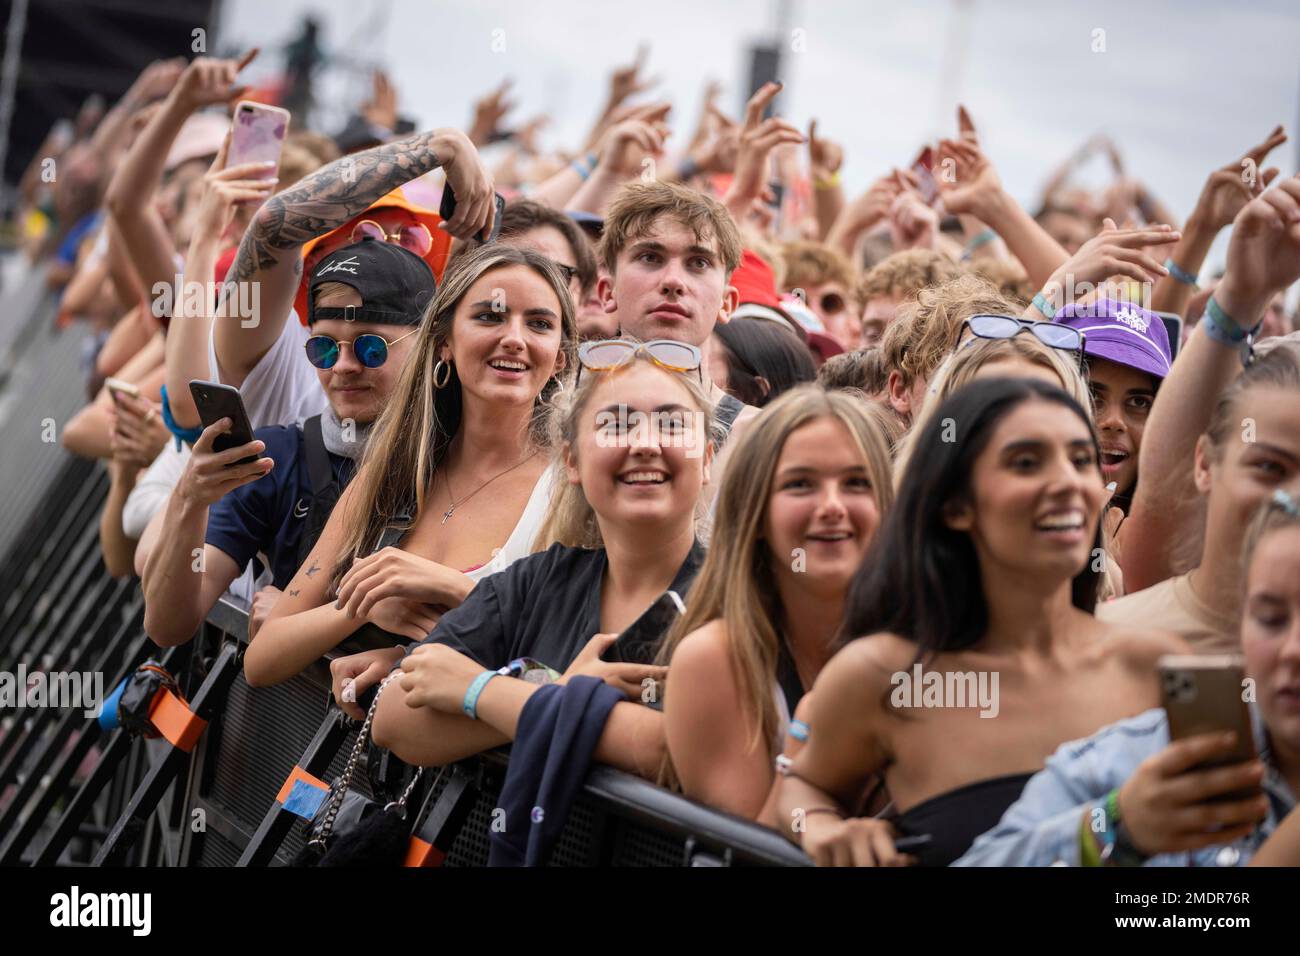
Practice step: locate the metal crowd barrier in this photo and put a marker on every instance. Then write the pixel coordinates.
(73, 794)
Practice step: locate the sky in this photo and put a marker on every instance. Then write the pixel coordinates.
(1182, 87)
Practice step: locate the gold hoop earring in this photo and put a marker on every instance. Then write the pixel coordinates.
(440, 368)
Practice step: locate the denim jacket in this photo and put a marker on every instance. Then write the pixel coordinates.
(1042, 827)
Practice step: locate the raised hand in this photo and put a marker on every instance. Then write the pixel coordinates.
(626, 144)
(628, 80)
(489, 111)
(1263, 253)
(824, 156)
(209, 80)
(1112, 252)
(225, 189)
(470, 180)
(1228, 189)
(381, 109)
(758, 137)
(966, 179)
(154, 82)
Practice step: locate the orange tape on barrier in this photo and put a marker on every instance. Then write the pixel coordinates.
(422, 853)
(175, 721)
(296, 774)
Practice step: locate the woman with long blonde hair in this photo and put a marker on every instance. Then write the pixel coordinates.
(633, 453)
(797, 508)
(451, 487)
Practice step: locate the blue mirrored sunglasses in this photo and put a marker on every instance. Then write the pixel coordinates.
(370, 349)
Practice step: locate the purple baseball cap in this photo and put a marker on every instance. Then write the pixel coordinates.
(1121, 332)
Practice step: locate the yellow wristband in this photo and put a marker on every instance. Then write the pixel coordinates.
(830, 182)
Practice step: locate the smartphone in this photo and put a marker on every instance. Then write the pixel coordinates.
(639, 644)
(910, 844)
(447, 209)
(1174, 326)
(215, 402)
(117, 386)
(1202, 694)
(257, 135)
(923, 167)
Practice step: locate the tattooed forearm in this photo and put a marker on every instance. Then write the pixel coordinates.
(313, 569)
(328, 198)
(294, 593)
(335, 193)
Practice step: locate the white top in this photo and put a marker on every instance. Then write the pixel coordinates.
(149, 496)
(520, 542)
(282, 388)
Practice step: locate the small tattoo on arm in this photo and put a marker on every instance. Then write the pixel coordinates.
(313, 569)
(294, 593)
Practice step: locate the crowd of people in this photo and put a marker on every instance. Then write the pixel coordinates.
(847, 442)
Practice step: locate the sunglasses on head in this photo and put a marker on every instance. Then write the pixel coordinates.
(411, 236)
(370, 349)
(1050, 334)
(605, 354)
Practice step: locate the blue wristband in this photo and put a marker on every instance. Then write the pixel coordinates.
(1042, 305)
(470, 704)
(1222, 328)
(190, 435)
(581, 169)
(798, 730)
(979, 239)
(1181, 274)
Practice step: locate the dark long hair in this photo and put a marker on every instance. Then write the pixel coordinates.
(921, 579)
(757, 347)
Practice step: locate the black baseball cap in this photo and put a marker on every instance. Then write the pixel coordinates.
(395, 284)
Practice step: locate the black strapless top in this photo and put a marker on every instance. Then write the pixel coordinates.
(954, 819)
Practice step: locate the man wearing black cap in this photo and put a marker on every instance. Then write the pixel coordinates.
(365, 303)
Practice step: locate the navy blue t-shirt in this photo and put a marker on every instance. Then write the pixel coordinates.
(269, 514)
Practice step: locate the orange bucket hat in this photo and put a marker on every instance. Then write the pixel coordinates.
(318, 248)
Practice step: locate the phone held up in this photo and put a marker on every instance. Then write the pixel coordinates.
(214, 402)
(257, 135)
(1205, 694)
(447, 209)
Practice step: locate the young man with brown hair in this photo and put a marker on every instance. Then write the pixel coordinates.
(896, 280)
(926, 330)
(667, 256)
(824, 279)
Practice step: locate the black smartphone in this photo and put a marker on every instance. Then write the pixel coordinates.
(447, 209)
(910, 844)
(1174, 327)
(215, 402)
(639, 644)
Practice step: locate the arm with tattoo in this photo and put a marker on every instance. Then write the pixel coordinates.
(270, 254)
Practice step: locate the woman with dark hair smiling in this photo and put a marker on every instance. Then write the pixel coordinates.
(985, 575)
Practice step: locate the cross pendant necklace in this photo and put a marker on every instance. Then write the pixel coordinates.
(455, 504)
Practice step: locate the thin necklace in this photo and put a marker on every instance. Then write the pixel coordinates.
(456, 504)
